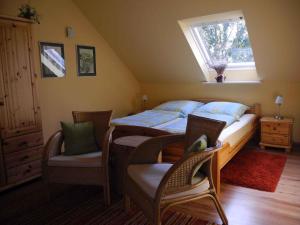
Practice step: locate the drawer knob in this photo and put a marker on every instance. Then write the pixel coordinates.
(26, 171)
(24, 158)
(23, 143)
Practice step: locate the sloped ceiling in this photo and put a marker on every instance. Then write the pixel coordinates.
(147, 37)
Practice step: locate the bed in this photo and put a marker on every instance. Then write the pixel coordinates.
(233, 137)
(148, 118)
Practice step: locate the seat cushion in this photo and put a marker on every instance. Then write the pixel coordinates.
(149, 176)
(131, 141)
(93, 159)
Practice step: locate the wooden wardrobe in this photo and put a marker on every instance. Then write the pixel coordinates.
(20, 121)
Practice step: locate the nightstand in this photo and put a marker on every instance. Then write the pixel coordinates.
(276, 133)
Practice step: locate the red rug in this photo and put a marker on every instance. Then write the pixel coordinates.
(253, 169)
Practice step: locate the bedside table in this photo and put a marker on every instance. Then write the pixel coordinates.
(276, 133)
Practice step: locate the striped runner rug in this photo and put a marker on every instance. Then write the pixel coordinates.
(85, 207)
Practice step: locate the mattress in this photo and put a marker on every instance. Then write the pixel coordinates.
(231, 134)
(234, 133)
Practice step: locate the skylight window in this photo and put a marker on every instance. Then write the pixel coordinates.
(225, 42)
(220, 39)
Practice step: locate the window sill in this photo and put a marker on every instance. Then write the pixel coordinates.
(232, 82)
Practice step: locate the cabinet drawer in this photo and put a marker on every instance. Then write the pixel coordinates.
(18, 158)
(22, 142)
(275, 128)
(22, 172)
(275, 139)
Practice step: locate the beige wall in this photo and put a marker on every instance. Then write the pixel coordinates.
(114, 87)
(263, 93)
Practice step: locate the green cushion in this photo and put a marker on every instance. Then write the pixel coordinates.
(199, 145)
(79, 138)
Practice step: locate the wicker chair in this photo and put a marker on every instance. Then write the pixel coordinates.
(84, 169)
(155, 187)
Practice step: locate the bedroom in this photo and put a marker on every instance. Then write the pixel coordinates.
(142, 50)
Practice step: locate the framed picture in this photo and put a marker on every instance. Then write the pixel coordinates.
(52, 59)
(86, 60)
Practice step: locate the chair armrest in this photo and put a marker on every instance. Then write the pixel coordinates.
(179, 176)
(148, 151)
(105, 146)
(53, 146)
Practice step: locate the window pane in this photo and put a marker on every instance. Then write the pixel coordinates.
(226, 41)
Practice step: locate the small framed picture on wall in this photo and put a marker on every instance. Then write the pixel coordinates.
(52, 59)
(86, 60)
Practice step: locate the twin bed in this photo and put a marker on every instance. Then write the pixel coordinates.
(241, 123)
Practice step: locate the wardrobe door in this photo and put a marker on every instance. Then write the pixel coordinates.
(2, 168)
(19, 109)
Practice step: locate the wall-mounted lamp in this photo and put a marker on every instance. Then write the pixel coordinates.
(70, 33)
(144, 99)
(278, 102)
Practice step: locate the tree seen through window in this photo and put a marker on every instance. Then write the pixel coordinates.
(226, 42)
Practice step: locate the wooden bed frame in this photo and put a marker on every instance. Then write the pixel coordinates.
(223, 156)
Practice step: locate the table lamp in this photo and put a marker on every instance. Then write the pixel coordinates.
(278, 102)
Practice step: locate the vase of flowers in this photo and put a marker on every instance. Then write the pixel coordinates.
(28, 12)
(219, 68)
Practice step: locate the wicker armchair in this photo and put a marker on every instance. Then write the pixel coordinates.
(84, 169)
(155, 187)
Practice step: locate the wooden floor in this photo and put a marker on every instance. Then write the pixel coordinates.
(243, 206)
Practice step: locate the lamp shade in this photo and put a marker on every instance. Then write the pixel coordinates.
(279, 100)
(145, 98)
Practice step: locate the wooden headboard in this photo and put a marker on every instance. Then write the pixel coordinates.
(253, 109)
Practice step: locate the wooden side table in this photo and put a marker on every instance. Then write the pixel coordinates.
(121, 149)
(276, 133)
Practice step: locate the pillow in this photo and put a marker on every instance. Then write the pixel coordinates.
(79, 138)
(185, 107)
(199, 145)
(229, 108)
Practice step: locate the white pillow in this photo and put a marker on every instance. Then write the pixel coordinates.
(229, 108)
(185, 107)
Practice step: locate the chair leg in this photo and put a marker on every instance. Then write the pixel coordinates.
(47, 188)
(157, 216)
(48, 193)
(106, 192)
(126, 203)
(157, 222)
(220, 210)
